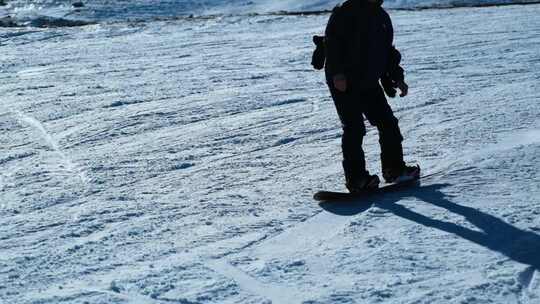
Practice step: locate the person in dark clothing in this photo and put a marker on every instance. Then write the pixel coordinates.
(359, 56)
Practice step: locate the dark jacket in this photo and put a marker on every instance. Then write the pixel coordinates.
(359, 38)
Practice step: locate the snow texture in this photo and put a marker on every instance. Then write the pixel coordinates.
(175, 161)
(57, 13)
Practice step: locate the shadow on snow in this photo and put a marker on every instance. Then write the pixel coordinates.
(497, 235)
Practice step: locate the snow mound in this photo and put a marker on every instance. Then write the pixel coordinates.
(16, 14)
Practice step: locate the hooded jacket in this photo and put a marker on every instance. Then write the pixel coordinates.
(359, 44)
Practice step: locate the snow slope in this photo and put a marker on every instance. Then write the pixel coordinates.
(175, 161)
(54, 13)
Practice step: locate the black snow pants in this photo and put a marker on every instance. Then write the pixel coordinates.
(351, 107)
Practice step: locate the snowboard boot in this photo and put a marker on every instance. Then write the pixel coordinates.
(405, 173)
(367, 182)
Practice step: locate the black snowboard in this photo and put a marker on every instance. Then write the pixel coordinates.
(326, 196)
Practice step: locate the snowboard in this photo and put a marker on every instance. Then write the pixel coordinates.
(327, 196)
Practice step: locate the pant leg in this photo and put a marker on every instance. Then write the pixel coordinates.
(380, 115)
(354, 130)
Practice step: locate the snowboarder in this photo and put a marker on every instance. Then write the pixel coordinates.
(359, 55)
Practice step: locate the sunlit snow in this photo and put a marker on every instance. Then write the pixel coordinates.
(175, 161)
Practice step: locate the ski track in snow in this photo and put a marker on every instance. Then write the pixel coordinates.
(68, 164)
(175, 161)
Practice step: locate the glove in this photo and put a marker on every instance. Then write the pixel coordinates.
(389, 86)
(319, 56)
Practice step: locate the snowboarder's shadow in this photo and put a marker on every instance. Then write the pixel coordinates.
(495, 234)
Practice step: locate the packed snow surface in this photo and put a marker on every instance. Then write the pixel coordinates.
(175, 161)
(54, 13)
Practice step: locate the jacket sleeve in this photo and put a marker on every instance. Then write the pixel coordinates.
(335, 40)
(395, 71)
